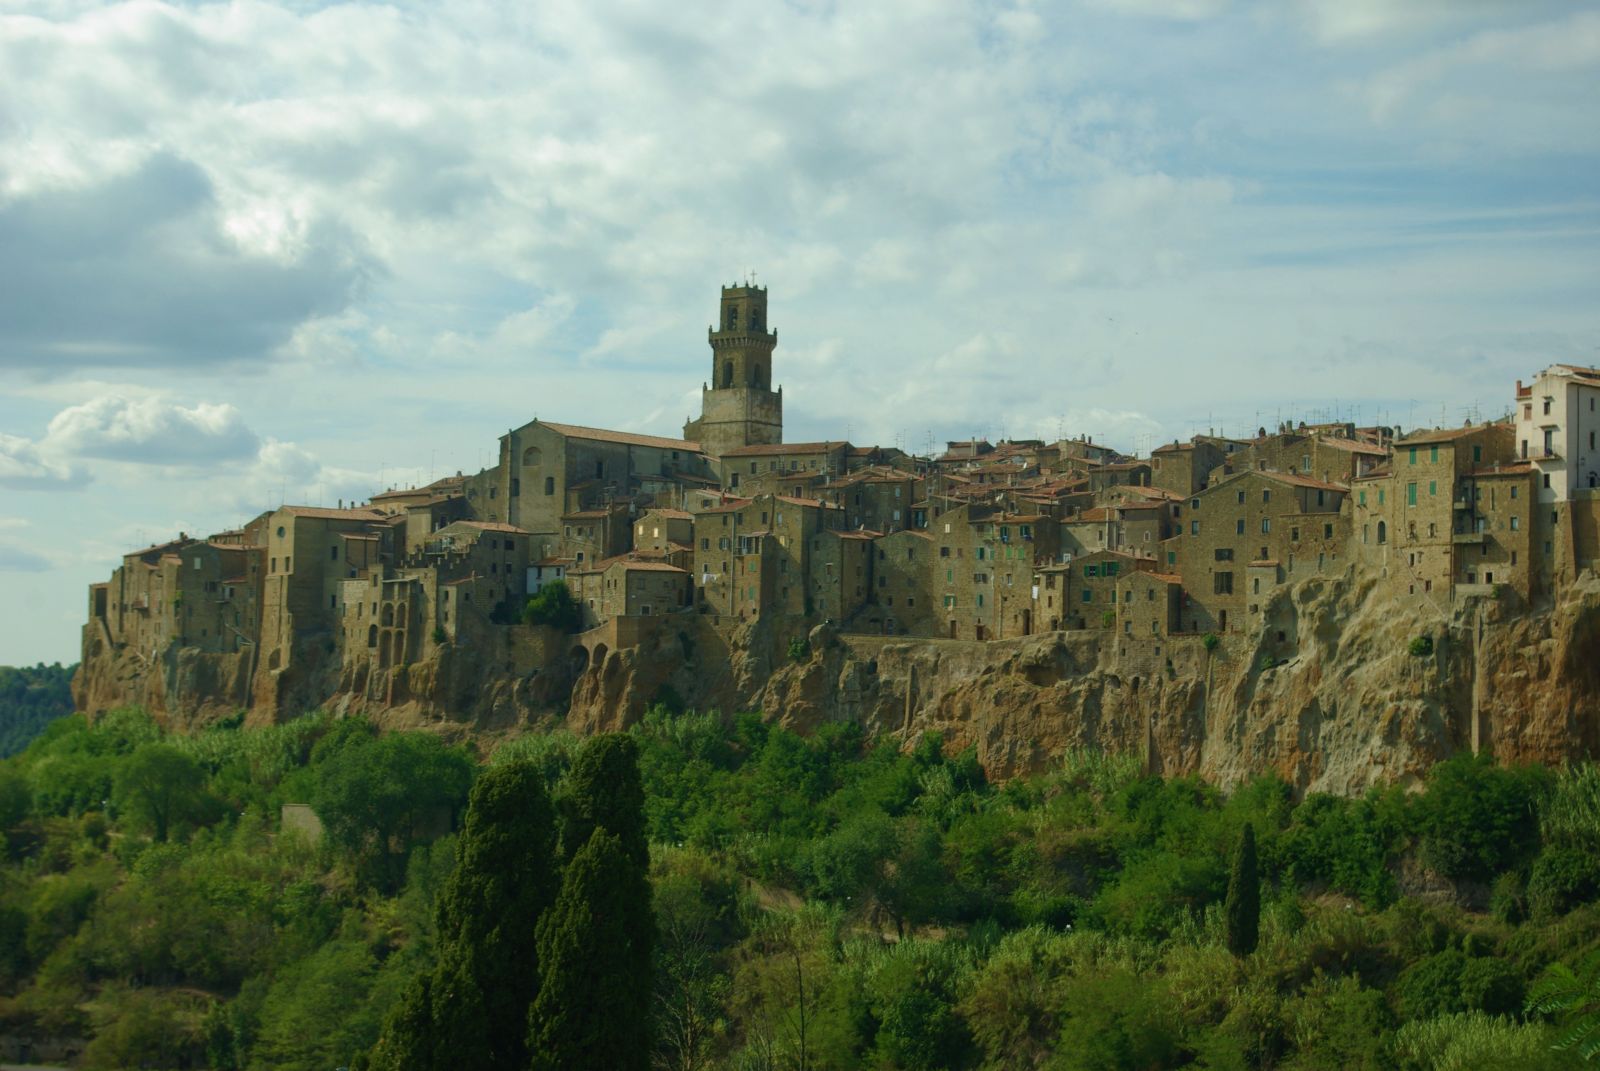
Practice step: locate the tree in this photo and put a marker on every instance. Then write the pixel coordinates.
(593, 1007)
(376, 795)
(554, 607)
(604, 791)
(159, 786)
(473, 1011)
(1242, 908)
(1561, 993)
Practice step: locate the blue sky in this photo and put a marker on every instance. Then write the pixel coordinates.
(263, 251)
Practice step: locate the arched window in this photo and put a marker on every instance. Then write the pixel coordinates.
(732, 318)
(1383, 532)
(727, 373)
(532, 457)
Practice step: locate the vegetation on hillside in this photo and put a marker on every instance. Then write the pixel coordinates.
(817, 903)
(30, 699)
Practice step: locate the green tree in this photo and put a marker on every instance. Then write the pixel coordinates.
(159, 786)
(1242, 908)
(505, 878)
(376, 796)
(604, 791)
(593, 1007)
(554, 607)
(1574, 1004)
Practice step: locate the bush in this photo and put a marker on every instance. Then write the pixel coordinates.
(799, 649)
(1210, 641)
(439, 635)
(1478, 819)
(1421, 646)
(554, 607)
(1562, 879)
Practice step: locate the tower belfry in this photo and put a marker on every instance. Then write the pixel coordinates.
(739, 406)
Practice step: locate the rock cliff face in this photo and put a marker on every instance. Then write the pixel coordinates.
(1330, 696)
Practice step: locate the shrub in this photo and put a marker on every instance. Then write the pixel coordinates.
(799, 649)
(1421, 646)
(1562, 879)
(554, 607)
(1478, 819)
(439, 634)
(1210, 641)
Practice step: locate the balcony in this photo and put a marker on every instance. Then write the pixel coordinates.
(1468, 538)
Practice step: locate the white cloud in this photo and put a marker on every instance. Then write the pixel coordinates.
(152, 430)
(23, 467)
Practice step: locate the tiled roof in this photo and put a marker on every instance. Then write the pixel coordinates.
(1440, 435)
(552, 562)
(1510, 468)
(770, 449)
(495, 526)
(1265, 562)
(671, 514)
(817, 502)
(1354, 446)
(647, 567)
(1165, 578)
(585, 515)
(322, 514)
(628, 438)
(1300, 481)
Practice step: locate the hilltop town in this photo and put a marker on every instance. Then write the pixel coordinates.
(732, 546)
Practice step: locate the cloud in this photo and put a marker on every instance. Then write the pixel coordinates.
(17, 560)
(152, 430)
(140, 270)
(23, 467)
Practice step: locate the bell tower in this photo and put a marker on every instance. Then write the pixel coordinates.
(739, 406)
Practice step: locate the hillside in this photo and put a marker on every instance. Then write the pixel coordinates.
(820, 901)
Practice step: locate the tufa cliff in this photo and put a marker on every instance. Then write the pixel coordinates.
(1339, 690)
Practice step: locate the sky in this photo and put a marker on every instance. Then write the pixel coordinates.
(254, 253)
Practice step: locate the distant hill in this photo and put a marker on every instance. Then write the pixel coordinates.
(30, 699)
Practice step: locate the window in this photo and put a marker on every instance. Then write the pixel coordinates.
(1327, 531)
(1433, 453)
(1194, 528)
(1477, 454)
(333, 555)
(1194, 504)
(1241, 498)
(944, 552)
(1222, 583)
(549, 485)
(1361, 498)
(1433, 488)
(1224, 554)
(1305, 462)
(1294, 535)
(1412, 456)
(1238, 526)
(1172, 557)
(1411, 494)
(1266, 524)
(1547, 407)
(1088, 595)
(1091, 570)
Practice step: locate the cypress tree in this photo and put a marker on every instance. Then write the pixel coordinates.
(1242, 908)
(473, 1010)
(593, 1007)
(604, 791)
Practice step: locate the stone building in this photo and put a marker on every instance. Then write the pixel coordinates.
(739, 407)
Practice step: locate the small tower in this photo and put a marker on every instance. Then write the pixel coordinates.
(739, 407)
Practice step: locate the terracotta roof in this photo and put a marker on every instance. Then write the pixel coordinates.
(578, 431)
(1170, 447)
(862, 533)
(671, 514)
(1098, 514)
(585, 514)
(769, 449)
(363, 536)
(322, 514)
(1511, 468)
(1353, 446)
(1165, 578)
(647, 567)
(232, 580)
(817, 502)
(495, 526)
(1440, 435)
(1300, 481)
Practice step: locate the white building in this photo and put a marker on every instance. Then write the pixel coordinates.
(1558, 416)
